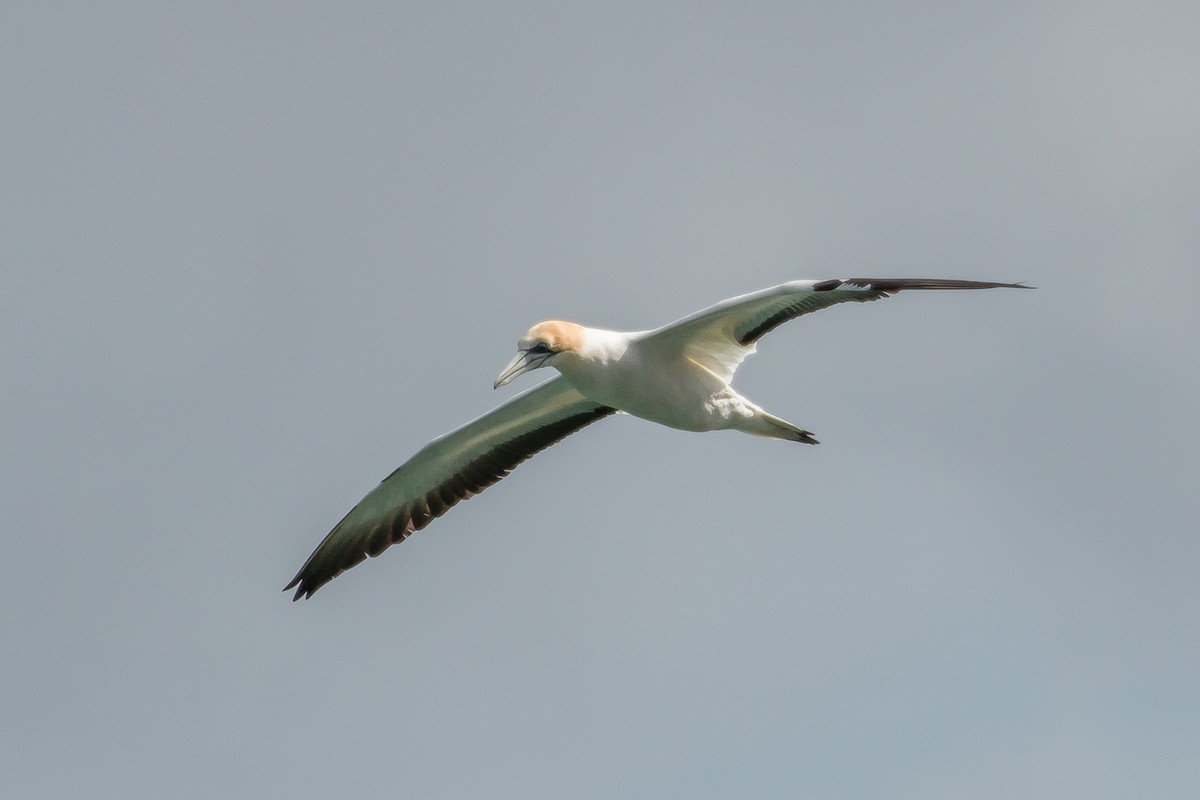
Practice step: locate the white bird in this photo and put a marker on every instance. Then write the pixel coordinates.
(677, 375)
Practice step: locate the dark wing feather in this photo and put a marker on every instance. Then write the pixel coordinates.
(721, 336)
(447, 470)
(823, 294)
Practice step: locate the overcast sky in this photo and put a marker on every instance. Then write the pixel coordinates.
(255, 255)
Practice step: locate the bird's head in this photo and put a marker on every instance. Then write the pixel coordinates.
(540, 346)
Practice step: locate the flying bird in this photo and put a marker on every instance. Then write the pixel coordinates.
(677, 375)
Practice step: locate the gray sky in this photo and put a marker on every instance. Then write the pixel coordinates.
(255, 255)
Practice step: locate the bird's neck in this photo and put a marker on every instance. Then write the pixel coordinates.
(601, 347)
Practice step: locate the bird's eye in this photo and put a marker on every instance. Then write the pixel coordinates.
(541, 348)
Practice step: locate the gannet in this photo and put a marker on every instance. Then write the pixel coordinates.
(677, 375)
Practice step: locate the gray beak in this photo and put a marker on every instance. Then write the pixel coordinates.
(524, 362)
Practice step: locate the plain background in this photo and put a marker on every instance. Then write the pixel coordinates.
(256, 254)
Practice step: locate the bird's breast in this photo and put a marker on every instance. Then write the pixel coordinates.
(676, 392)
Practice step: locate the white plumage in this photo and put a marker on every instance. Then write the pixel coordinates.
(677, 375)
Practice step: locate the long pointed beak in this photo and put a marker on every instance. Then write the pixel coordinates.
(522, 363)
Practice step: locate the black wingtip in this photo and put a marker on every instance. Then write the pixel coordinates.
(892, 285)
(900, 284)
(302, 591)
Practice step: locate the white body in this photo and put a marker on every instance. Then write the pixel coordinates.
(649, 377)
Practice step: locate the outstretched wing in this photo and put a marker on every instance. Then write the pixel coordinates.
(721, 336)
(448, 469)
